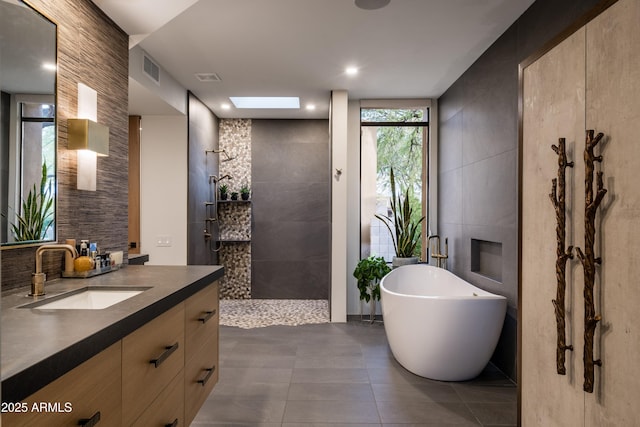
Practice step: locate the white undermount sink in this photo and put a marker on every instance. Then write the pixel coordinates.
(88, 298)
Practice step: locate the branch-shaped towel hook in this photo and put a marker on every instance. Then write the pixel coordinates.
(557, 196)
(588, 258)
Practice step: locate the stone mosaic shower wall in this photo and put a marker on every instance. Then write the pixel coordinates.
(235, 139)
(235, 217)
(236, 283)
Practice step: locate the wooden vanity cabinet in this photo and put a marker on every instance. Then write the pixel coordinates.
(152, 356)
(160, 374)
(201, 349)
(87, 393)
(167, 409)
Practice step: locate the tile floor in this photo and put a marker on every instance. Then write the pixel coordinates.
(341, 375)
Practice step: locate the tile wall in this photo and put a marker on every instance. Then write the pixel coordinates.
(478, 157)
(94, 51)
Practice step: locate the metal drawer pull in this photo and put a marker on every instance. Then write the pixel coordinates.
(209, 315)
(204, 380)
(90, 422)
(164, 355)
(173, 424)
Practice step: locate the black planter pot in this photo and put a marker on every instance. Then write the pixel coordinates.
(234, 196)
(244, 196)
(224, 196)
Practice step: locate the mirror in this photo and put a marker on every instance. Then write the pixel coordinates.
(27, 125)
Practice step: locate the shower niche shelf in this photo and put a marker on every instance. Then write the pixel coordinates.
(234, 218)
(239, 201)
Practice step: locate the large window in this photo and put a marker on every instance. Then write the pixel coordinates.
(398, 139)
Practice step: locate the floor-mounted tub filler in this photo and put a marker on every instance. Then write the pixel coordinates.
(438, 325)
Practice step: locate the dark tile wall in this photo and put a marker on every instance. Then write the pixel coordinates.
(291, 209)
(94, 51)
(478, 155)
(203, 135)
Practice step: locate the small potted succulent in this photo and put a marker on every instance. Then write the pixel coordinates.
(369, 273)
(234, 195)
(224, 192)
(245, 192)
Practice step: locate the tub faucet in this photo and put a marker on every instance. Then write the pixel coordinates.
(441, 259)
(38, 278)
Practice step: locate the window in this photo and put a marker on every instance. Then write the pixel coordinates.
(391, 138)
(38, 148)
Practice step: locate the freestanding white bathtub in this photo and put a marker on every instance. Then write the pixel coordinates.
(438, 325)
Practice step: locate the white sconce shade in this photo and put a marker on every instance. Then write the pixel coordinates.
(87, 170)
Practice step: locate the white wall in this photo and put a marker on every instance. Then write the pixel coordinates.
(353, 205)
(163, 189)
(339, 197)
(168, 90)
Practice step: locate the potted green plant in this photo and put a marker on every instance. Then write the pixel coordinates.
(369, 272)
(224, 189)
(234, 195)
(245, 192)
(405, 231)
(36, 215)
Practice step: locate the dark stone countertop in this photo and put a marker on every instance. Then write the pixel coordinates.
(137, 259)
(38, 345)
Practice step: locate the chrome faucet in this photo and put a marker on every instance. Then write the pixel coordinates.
(441, 259)
(38, 278)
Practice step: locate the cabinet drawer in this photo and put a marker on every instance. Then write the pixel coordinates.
(91, 388)
(202, 318)
(168, 408)
(200, 375)
(151, 357)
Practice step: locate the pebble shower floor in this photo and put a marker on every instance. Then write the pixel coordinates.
(259, 313)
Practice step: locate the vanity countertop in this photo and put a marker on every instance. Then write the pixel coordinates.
(39, 345)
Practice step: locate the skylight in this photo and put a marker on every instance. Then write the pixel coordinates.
(265, 101)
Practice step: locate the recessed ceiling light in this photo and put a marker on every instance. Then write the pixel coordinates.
(372, 4)
(311, 107)
(351, 71)
(225, 106)
(265, 101)
(49, 66)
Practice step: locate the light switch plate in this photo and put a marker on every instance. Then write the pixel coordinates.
(164, 241)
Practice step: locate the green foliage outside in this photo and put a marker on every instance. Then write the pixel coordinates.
(36, 214)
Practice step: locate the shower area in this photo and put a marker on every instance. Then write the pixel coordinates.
(275, 245)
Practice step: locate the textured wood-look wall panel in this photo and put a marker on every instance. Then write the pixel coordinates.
(94, 51)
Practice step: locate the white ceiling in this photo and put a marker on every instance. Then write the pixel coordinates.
(409, 49)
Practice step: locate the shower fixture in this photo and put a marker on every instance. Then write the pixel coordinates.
(227, 157)
(215, 179)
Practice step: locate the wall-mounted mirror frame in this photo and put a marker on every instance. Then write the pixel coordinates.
(28, 125)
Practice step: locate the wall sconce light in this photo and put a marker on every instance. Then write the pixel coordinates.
(91, 139)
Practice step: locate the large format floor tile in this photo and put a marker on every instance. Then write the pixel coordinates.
(341, 375)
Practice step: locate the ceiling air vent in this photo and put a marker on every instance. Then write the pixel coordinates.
(151, 69)
(208, 77)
